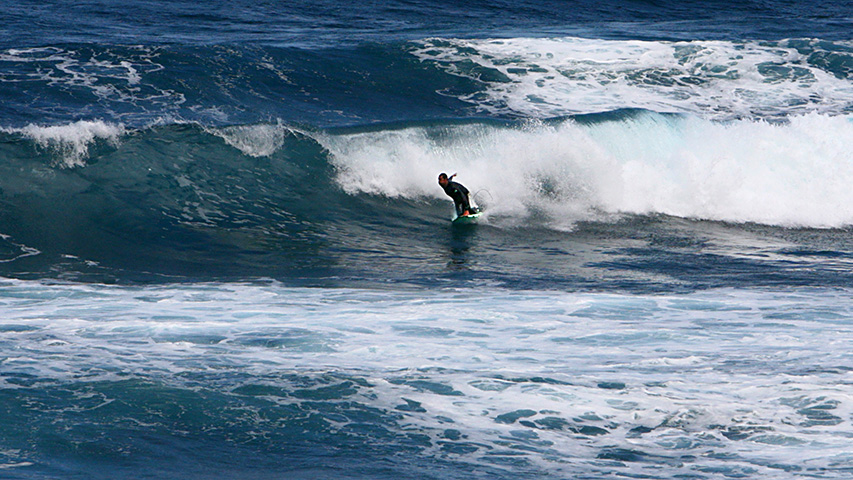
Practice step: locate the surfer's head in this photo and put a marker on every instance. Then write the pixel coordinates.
(442, 179)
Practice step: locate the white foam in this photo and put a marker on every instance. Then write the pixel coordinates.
(6, 466)
(71, 142)
(25, 251)
(110, 76)
(686, 375)
(795, 173)
(547, 77)
(261, 140)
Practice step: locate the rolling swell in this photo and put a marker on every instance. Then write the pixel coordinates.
(167, 200)
(104, 202)
(224, 84)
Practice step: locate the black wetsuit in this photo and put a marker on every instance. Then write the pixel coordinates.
(459, 194)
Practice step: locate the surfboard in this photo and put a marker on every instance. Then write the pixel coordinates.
(467, 219)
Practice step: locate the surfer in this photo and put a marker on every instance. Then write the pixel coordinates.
(458, 193)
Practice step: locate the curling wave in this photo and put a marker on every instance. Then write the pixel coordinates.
(273, 200)
(793, 174)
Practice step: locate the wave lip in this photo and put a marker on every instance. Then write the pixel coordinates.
(793, 174)
(259, 140)
(71, 142)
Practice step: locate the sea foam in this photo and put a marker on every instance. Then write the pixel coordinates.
(725, 380)
(548, 77)
(796, 173)
(71, 142)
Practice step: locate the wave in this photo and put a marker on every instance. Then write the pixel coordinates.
(419, 80)
(69, 144)
(274, 199)
(631, 161)
(168, 199)
(793, 174)
(221, 85)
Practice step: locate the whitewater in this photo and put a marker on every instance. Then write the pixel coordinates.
(721, 382)
(224, 252)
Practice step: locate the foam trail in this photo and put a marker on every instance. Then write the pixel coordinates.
(17, 250)
(792, 174)
(729, 380)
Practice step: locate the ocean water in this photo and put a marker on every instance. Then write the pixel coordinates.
(224, 253)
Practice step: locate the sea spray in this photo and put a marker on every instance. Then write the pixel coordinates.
(793, 173)
(70, 143)
(254, 140)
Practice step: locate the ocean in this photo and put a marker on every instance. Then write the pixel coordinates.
(224, 253)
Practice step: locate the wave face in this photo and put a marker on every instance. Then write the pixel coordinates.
(163, 196)
(270, 200)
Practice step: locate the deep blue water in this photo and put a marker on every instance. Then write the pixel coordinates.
(224, 253)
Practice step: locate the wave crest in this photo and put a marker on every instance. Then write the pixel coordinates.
(792, 174)
(71, 142)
